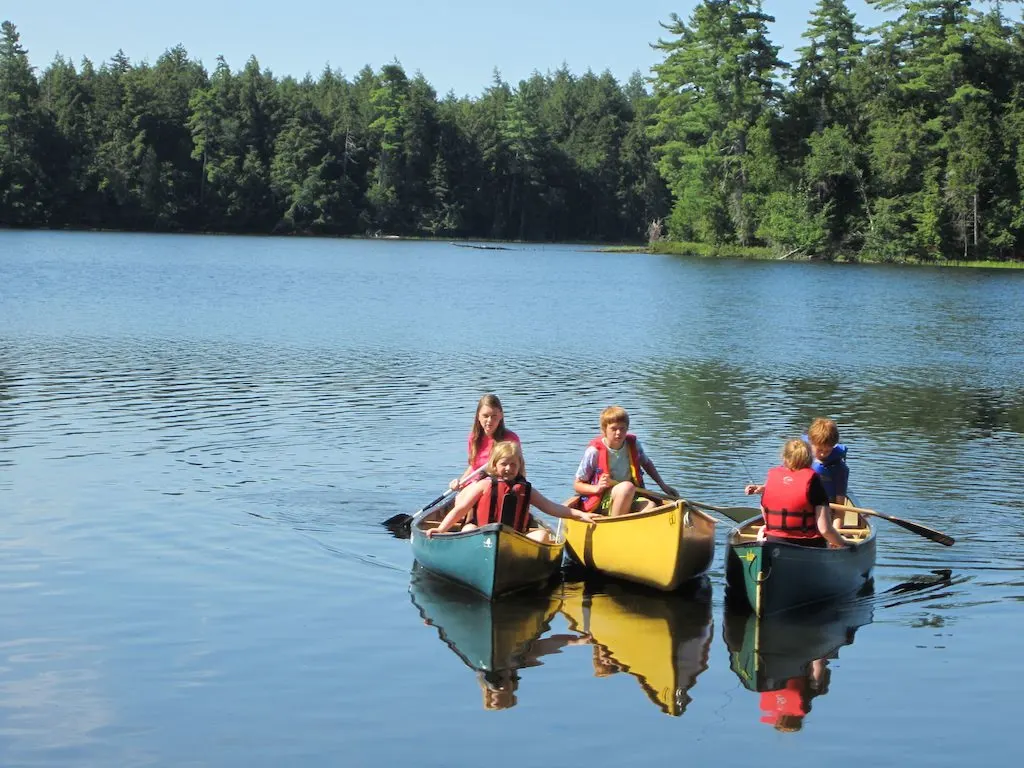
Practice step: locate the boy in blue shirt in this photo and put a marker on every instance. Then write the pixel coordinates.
(829, 458)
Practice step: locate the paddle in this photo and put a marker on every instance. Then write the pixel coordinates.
(665, 497)
(401, 522)
(736, 514)
(936, 536)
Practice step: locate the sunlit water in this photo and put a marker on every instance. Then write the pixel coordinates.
(199, 438)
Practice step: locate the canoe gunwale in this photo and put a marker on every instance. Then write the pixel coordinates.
(535, 522)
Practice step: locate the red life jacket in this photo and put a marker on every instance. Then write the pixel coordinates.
(635, 472)
(791, 699)
(788, 511)
(504, 502)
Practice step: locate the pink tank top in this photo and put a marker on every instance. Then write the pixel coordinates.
(483, 453)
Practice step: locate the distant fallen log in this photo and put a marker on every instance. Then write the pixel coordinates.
(481, 247)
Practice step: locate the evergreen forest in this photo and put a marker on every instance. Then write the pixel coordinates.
(901, 142)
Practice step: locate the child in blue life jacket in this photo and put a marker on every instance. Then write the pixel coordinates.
(612, 469)
(505, 470)
(829, 458)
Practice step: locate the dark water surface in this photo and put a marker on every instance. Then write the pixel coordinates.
(199, 437)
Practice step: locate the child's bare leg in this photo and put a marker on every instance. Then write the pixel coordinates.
(468, 526)
(643, 504)
(539, 534)
(622, 495)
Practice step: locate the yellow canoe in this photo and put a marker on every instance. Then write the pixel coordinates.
(660, 548)
(661, 640)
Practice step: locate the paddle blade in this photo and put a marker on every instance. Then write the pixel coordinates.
(736, 514)
(399, 525)
(937, 536)
(739, 514)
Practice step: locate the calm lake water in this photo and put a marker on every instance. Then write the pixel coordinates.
(199, 438)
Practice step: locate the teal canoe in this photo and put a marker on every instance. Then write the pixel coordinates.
(488, 635)
(777, 576)
(493, 560)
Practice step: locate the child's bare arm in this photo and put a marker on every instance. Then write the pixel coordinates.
(544, 504)
(648, 465)
(826, 529)
(592, 489)
(467, 497)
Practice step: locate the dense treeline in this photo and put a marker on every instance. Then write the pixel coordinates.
(170, 146)
(902, 142)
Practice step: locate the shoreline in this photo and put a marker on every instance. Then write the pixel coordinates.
(761, 253)
(662, 247)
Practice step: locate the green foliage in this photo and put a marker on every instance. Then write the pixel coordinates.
(22, 128)
(902, 143)
(716, 82)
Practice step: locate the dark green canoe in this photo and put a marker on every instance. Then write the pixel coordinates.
(780, 576)
(493, 560)
(767, 651)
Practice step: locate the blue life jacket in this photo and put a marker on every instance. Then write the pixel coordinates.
(833, 472)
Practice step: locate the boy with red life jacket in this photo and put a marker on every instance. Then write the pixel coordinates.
(612, 469)
(794, 502)
(504, 496)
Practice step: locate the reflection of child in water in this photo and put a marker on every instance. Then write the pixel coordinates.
(604, 663)
(499, 685)
(786, 707)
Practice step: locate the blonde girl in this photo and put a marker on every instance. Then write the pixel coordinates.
(507, 466)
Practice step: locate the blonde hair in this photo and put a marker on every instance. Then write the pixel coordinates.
(796, 454)
(614, 414)
(499, 688)
(476, 435)
(504, 450)
(823, 432)
(789, 723)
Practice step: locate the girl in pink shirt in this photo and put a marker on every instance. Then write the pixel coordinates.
(488, 429)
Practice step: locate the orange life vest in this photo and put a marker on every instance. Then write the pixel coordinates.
(635, 472)
(788, 511)
(504, 502)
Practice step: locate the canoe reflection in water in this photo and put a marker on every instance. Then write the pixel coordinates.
(785, 656)
(495, 638)
(661, 639)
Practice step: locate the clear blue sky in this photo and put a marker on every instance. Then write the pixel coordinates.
(456, 44)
